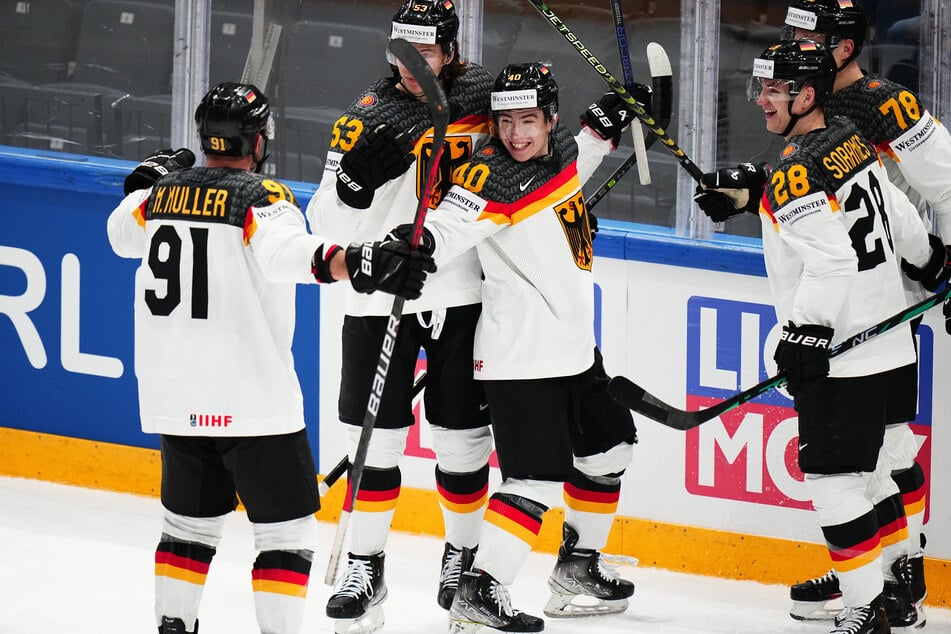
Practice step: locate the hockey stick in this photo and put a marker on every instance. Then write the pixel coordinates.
(618, 88)
(324, 486)
(662, 84)
(637, 133)
(634, 397)
(439, 107)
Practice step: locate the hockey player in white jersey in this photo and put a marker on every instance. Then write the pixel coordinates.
(834, 232)
(916, 151)
(371, 182)
(222, 250)
(558, 434)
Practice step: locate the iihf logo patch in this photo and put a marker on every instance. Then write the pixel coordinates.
(488, 151)
(367, 101)
(789, 150)
(872, 85)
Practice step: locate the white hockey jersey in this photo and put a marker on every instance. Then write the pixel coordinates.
(915, 149)
(455, 284)
(222, 251)
(832, 225)
(530, 224)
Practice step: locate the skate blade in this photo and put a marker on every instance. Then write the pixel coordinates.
(815, 610)
(464, 627)
(372, 621)
(572, 606)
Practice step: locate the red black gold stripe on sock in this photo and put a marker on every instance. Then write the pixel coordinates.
(504, 513)
(853, 544)
(911, 483)
(587, 496)
(379, 490)
(185, 561)
(892, 523)
(463, 492)
(281, 572)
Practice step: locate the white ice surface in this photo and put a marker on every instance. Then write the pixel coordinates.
(80, 561)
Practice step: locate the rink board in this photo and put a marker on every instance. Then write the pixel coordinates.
(725, 498)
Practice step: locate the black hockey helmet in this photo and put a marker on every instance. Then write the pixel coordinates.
(525, 86)
(836, 19)
(427, 22)
(797, 63)
(230, 116)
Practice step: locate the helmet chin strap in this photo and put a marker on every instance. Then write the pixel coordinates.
(259, 163)
(794, 118)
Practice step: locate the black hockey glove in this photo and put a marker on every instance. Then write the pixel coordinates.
(946, 309)
(404, 233)
(730, 191)
(935, 273)
(388, 266)
(380, 156)
(593, 225)
(609, 116)
(155, 166)
(803, 353)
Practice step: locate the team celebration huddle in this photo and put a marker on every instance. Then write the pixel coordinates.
(451, 203)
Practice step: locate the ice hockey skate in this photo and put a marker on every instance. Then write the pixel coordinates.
(455, 561)
(900, 603)
(582, 584)
(919, 592)
(482, 603)
(356, 604)
(175, 626)
(816, 599)
(868, 619)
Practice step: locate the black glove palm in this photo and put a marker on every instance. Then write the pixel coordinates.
(803, 353)
(610, 116)
(388, 266)
(155, 166)
(730, 191)
(376, 158)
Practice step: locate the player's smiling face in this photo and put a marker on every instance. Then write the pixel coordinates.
(524, 133)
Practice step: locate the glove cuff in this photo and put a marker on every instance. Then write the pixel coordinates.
(320, 264)
(808, 336)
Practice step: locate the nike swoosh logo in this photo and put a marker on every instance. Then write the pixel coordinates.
(803, 446)
(524, 186)
(483, 406)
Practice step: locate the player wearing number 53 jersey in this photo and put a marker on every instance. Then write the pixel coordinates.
(834, 232)
(222, 249)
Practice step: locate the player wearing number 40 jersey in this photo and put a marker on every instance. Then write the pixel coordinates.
(221, 250)
(834, 232)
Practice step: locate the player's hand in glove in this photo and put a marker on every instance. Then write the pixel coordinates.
(376, 158)
(935, 272)
(803, 354)
(155, 166)
(946, 309)
(730, 191)
(610, 116)
(593, 225)
(427, 244)
(388, 266)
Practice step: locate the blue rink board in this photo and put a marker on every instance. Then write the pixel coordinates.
(56, 204)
